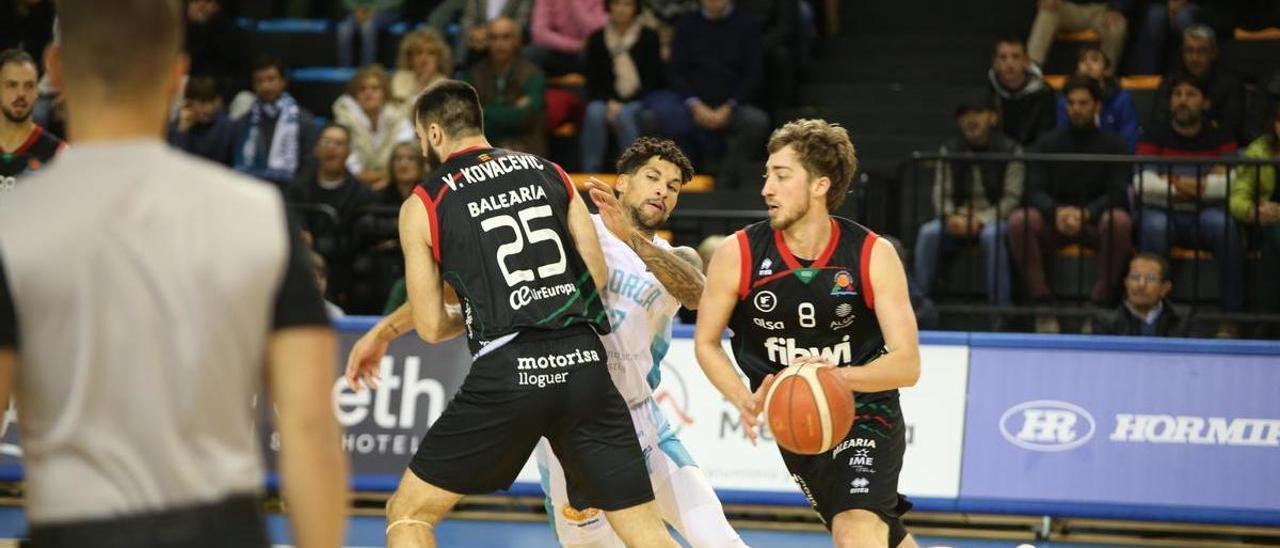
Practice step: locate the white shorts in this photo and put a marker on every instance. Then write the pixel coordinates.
(684, 496)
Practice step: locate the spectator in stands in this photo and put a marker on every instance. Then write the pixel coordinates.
(1119, 115)
(662, 15)
(1186, 205)
(972, 199)
(331, 185)
(511, 90)
(560, 30)
(780, 24)
(1160, 20)
(1226, 95)
(1074, 202)
(277, 135)
(1255, 199)
(202, 127)
(716, 69)
(406, 169)
(321, 272)
(1105, 18)
(623, 64)
(216, 46)
(1146, 310)
(27, 25)
(424, 59)
(370, 17)
(1023, 100)
(476, 17)
(24, 145)
(375, 124)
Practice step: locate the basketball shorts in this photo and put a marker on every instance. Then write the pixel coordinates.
(861, 472)
(685, 498)
(485, 436)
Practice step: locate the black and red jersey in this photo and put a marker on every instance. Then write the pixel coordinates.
(790, 308)
(38, 149)
(500, 225)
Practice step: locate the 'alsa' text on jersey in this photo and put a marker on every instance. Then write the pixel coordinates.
(790, 308)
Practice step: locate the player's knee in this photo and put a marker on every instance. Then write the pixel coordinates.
(860, 529)
(406, 506)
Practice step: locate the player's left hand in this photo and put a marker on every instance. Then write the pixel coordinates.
(617, 221)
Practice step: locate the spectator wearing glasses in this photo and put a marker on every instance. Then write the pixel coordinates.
(1146, 310)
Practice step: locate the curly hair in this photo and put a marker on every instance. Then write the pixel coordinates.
(432, 43)
(366, 72)
(824, 149)
(645, 148)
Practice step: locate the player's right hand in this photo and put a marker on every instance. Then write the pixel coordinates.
(365, 361)
(749, 408)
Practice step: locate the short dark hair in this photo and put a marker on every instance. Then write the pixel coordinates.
(1183, 78)
(345, 130)
(201, 88)
(1160, 261)
(1093, 48)
(1009, 39)
(645, 148)
(453, 105)
(264, 62)
(125, 49)
(16, 55)
(1083, 82)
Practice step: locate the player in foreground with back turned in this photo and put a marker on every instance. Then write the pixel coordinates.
(807, 287)
(649, 280)
(507, 233)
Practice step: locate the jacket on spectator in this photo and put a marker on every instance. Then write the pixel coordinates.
(210, 141)
(1169, 322)
(1253, 184)
(1027, 113)
(717, 61)
(1119, 115)
(507, 123)
(1096, 187)
(983, 186)
(370, 148)
(563, 25)
(645, 54)
(1226, 102)
(1152, 185)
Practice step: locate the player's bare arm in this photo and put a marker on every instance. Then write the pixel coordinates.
(718, 301)
(587, 242)
(678, 270)
(900, 367)
(431, 318)
(365, 359)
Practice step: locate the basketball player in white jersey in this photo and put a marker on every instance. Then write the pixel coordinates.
(648, 281)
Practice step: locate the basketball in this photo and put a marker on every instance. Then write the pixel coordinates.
(809, 409)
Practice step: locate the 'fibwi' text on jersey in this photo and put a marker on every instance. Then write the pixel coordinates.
(788, 309)
(500, 221)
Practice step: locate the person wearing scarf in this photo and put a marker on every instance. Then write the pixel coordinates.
(623, 64)
(277, 135)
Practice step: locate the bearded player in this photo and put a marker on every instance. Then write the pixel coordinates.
(810, 287)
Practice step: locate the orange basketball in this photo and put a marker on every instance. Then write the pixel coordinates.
(809, 409)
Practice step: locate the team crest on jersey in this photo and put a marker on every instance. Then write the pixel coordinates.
(843, 284)
(484, 157)
(766, 267)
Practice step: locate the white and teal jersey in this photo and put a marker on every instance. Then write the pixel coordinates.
(640, 312)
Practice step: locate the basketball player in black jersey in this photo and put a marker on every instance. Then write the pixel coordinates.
(809, 287)
(511, 240)
(24, 145)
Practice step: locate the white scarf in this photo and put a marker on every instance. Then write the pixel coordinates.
(626, 77)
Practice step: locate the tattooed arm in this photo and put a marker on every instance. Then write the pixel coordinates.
(679, 269)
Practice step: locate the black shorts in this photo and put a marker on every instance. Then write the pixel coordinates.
(485, 437)
(236, 521)
(861, 472)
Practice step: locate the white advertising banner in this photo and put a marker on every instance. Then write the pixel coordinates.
(710, 428)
